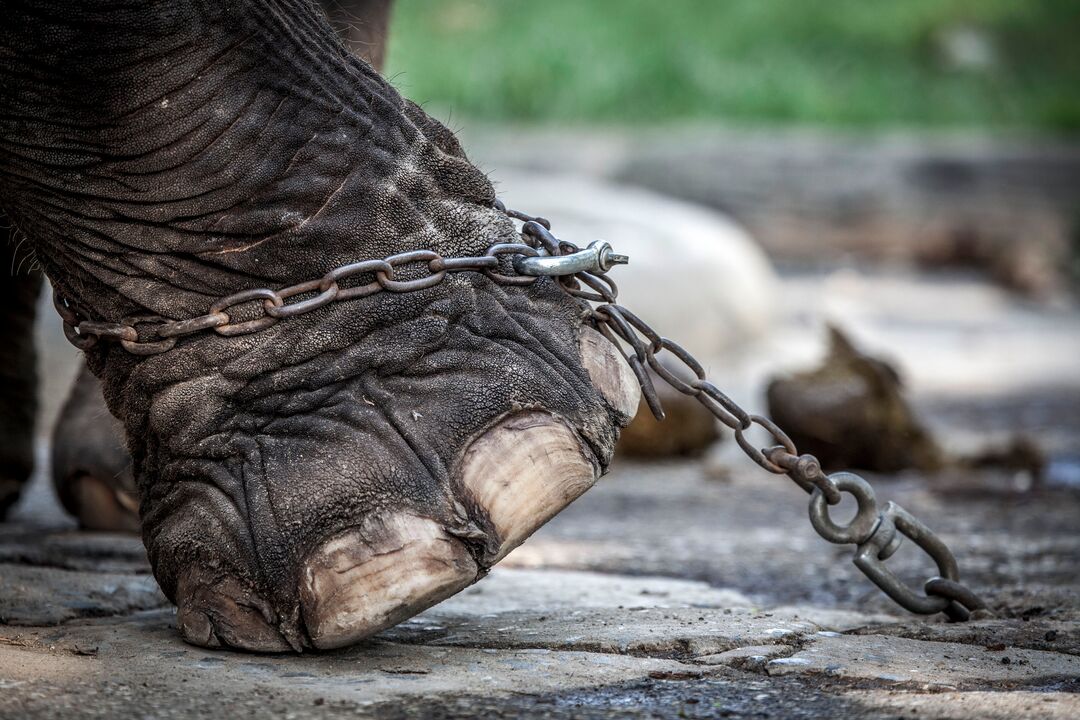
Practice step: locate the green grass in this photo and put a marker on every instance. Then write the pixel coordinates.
(848, 63)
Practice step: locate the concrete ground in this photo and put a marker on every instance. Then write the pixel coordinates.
(678, 589)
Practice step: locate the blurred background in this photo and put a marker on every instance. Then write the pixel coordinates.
(971, 64)
(905, 171)
(864, 218)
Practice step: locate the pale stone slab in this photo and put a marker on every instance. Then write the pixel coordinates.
(976, 704)
(892, 659)
(140, 663)
(752, 657)
(1035, 634)
(658, 631)
(519, 590)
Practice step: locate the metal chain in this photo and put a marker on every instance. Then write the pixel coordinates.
(151, 334)
(876, 533)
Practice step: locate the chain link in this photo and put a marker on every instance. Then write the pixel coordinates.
(877, 534)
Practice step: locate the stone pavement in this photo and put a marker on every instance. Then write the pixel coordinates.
(89, 636)
(681, 589)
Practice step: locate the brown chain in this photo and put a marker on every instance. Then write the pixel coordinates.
(877, 534)
(151, 334)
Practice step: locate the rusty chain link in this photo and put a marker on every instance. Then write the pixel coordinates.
(876, 533)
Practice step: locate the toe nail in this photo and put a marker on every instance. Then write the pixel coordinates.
(212, 612)
(101, 507)
(379, 574)
(522, 472)
(609, 372)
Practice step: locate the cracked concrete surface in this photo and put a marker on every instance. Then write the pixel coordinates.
(682, 589)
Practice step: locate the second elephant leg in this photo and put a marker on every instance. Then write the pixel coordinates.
(91, 467)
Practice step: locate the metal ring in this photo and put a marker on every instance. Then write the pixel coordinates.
(356, 268)
(480, 262)
(536, 230)
(359, 291)
(230, 328)
(148, 348)
(571, 284)
(511, 249)
(686, 388)
(717, 402)
(328, 293)
(656, 342)
(389, 283)
(115, 331)
(67, 313)
(622, 328)
(244, 296)
(80, 341)
(866, 519)
(176, 328)
(756, 454)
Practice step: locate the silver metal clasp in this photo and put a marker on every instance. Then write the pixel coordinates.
(598, 258)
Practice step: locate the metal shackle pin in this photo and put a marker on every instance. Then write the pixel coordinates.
(597, 258)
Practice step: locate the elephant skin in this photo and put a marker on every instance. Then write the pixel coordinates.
(312, 483)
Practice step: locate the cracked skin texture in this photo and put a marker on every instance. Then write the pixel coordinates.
(161, 155)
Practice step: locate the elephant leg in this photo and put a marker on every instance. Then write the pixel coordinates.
(362, 25)
(18, 365)
(91, 467)
(337, 467)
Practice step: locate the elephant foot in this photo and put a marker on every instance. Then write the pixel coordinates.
(91, 468)
(349, 461)
(386, 535)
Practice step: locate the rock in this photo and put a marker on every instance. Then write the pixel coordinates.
(139, 665)
(512, 590)
(981, 704)
(851, 413)
(1034, 634)
(70, 550)
(694, 275)
(837, 619)
(649, 631)
(687, 430)
(589, 612)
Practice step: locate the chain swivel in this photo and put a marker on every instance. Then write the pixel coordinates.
(597, 258)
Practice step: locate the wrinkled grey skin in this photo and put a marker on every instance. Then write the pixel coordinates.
(91, 468)
(162, 154)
